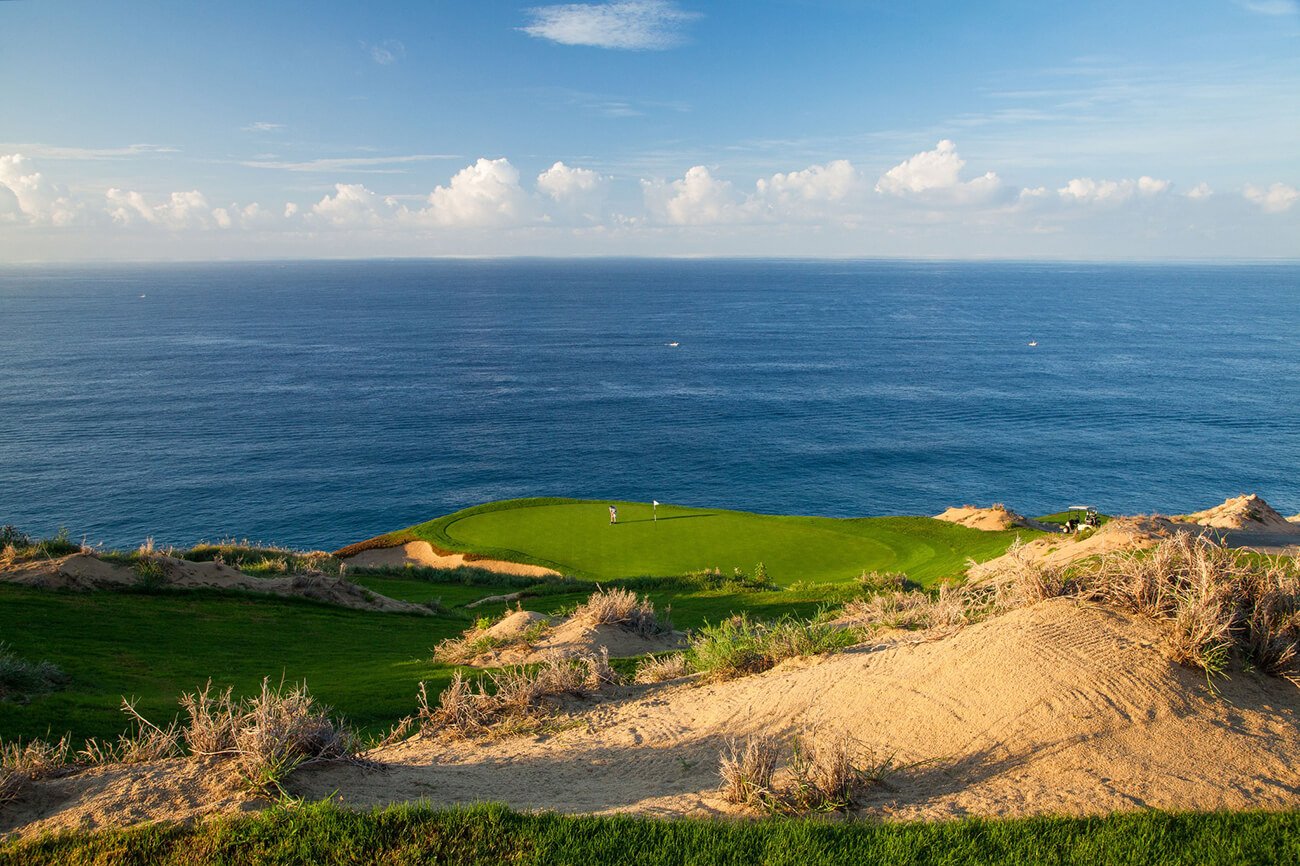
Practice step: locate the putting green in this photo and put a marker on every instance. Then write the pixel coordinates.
(575, 537)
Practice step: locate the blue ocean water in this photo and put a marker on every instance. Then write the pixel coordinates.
(318, 403)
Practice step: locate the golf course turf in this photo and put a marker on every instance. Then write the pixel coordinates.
(574, 537)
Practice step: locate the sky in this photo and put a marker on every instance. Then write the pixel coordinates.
(822, 128)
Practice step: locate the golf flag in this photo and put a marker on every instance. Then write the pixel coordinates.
(654, 510)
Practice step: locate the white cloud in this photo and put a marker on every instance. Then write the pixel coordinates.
(1200, 191)
(355, 164)
(351, 206)
(1277, 198)
(486, 193)
(32, 198)
(564, 184)
(1089, 191)
(831, 182)
(935, 175)
(697, 199)
(1270, 7)
(46, 151)
(262, 126)
(385, 53)
(181, 210)
(631, 24)
(819, 192)
(574, 192)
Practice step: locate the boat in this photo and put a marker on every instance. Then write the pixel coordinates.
(1033, 343)
(674, 344)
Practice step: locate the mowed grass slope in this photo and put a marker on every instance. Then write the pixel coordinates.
(156, 646)
(574, 537)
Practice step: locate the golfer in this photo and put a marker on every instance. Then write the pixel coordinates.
(613, 515)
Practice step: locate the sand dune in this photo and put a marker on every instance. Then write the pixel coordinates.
(993, 519)
(82, 571)
(569, 638)
(1055, 708)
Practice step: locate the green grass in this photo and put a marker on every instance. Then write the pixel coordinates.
(574, 537)
(156, 645)
(489, 834)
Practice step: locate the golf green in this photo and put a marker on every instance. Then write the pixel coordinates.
(575, 537)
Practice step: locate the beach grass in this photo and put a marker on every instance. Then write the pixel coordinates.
(575, 538)
(491, 834)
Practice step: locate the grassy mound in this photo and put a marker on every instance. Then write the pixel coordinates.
(574, 537)
(492, 834)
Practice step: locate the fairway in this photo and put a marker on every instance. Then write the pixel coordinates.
(576, 538)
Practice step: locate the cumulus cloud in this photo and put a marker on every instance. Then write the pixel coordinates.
(1085, 190)
(1273, 199)
(935, 175)
(1200, 191)
(831, 182)
(351, 206)
(180, 210)
(562, 183)
(645, 25)
(31, 197)
(697, 199)
(486, 193)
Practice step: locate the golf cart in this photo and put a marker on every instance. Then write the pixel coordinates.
(1081, 516)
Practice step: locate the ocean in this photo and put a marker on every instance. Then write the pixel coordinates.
(317, 403)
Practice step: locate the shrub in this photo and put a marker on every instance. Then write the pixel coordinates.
(21, 680)
(739, 646)
(12, 536)
(59, 544)
(875, 582)
(149, 572)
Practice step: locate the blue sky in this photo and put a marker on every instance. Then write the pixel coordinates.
(650, 127)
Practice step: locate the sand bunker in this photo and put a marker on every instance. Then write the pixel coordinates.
(1058, 708)
(421, 553)
(82, 571)
(993, 519)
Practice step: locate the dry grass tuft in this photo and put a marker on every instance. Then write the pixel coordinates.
(513, 699)
(623, 608)
(144, 742)
(662, 668)
(823, 774)
(1218, 601)
(268, 735)
(747, 768)
(22, 763)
